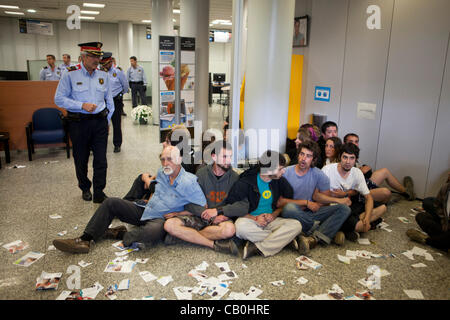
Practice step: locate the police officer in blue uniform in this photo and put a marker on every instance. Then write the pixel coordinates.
(119, 86)
(66, 63)
(50, 72)
(85, 93)
(138, 82)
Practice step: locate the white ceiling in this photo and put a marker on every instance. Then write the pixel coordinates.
(114, 11)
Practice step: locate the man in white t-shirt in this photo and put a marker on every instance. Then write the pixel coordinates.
(346, 180)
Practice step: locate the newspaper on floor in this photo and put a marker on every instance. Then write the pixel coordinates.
(202, 266)
(218, 291)
(28, 259)
(124, 285)
(147, 276)
(343, 259)
(419, 265)
(403, 219)
(71, 295)
(91, 292)
(48, 281)
(301, 280)
(55, 216)
(230, 275)
(364, 241)
(164, 281)
(183, 293)
(223, 266)
(122, 267)
(414, 294)
(62, 233)
(111, 292)
(84, 264)
(252, 294)
(16, 246)
(336, 292)
(304, 296)
(143, 261)
(278, 283)
(309, 262)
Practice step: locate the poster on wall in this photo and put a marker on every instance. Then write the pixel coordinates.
(167, 56)
(301, 32)
(187, 80)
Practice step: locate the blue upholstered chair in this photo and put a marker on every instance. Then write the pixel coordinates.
(47, 127)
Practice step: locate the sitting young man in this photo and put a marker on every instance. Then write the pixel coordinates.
(262, 186)
(320, 222)
(174, 189)
(374, 179)
(345, 181)
(211, 227)
(434, 221)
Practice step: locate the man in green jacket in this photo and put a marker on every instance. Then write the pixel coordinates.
(211, 226)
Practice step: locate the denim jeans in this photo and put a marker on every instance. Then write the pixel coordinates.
(323, 224)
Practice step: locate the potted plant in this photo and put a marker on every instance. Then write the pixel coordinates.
(141, 114)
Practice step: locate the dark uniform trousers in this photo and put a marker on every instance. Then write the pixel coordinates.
(148, 232)
(116, 120)
(88, 133)
(135, 88)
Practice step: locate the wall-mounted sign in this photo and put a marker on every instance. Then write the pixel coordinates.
(35, 27)
(322, 94)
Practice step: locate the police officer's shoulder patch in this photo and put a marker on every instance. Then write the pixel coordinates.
(72, 68)
(101, 81)
(119, 68)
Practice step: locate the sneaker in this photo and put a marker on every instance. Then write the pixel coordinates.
(72, 245)
(305, 244)
(409, 186)
(250, 250)
(226, 246)
(352, 236)
(416, 235)
(100, 198)
(115, 233)
(339, 238)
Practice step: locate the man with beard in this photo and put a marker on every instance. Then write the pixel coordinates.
(174, 189)
(310, 203)
(345, 177)
(213, 226)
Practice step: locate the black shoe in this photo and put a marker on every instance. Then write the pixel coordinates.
(100, 198)
(352, 236)
(124, 114)
(115, 233)
(226, 246)
(374, 224)
(116, 149)
(87, 195)
(250, 250)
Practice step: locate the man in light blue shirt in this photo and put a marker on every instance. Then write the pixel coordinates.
(138, 82)
(66, 63)
(50, 72)
(119, 86)
(174, 189)
(84, 91)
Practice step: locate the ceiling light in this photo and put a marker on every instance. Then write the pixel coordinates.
(13, 12)
(8, 7)
(89, 12)
(86, 18)
(147, 21)
(174, 20)
(31, 10)
(176, 11)
(93, 5)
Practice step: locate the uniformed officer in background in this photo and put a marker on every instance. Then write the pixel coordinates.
(85, 93)
(119, 86)
(66, 63)
(138, 82)
(50, 72)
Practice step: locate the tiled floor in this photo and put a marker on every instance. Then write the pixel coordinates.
(29, 195)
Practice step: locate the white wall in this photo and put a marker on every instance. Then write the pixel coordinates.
(220, 59)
